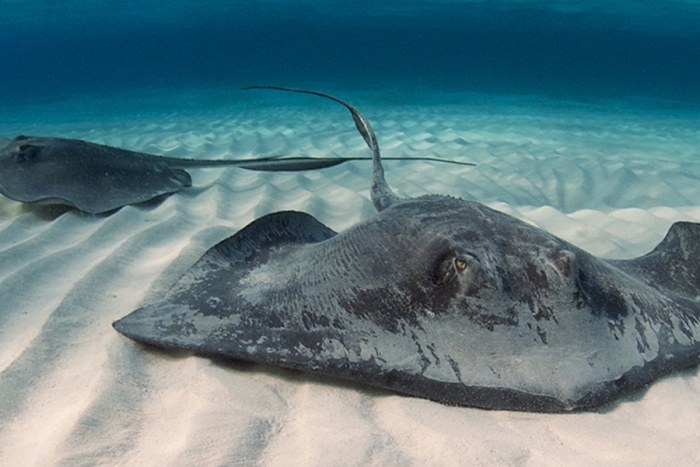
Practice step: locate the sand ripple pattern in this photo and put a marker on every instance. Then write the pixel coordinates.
(76, 393)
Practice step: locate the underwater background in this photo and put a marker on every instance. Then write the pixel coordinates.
(568, 49)
(581, 117)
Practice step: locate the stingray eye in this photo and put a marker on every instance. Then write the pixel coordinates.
(27, 153)
(448, 267)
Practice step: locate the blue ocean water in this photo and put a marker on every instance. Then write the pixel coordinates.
(141, 74)
(561, 49)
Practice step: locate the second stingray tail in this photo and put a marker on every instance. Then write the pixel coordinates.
(382, 195)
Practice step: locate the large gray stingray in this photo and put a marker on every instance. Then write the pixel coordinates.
(96, 178)
(439, 298)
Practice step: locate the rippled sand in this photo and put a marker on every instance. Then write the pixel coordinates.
(75, 392)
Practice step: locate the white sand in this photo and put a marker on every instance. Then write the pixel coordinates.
(74, 392)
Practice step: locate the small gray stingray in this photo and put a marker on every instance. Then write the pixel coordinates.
(96, 178)
(439, 298)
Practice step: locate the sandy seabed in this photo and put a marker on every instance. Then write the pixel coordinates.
(76, 393)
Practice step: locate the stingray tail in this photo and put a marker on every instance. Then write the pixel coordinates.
(382, 196)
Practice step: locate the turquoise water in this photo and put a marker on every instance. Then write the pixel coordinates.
(580, 115)
(561, 49)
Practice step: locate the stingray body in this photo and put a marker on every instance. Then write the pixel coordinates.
(96, 178)
(439, 298)
(90, 177)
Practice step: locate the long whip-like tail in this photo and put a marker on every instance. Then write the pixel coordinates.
(382, 196)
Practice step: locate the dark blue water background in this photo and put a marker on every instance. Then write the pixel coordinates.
(573, 50)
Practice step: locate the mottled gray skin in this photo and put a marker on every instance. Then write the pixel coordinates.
(96, 178)
(90, 177)
(439, 298)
